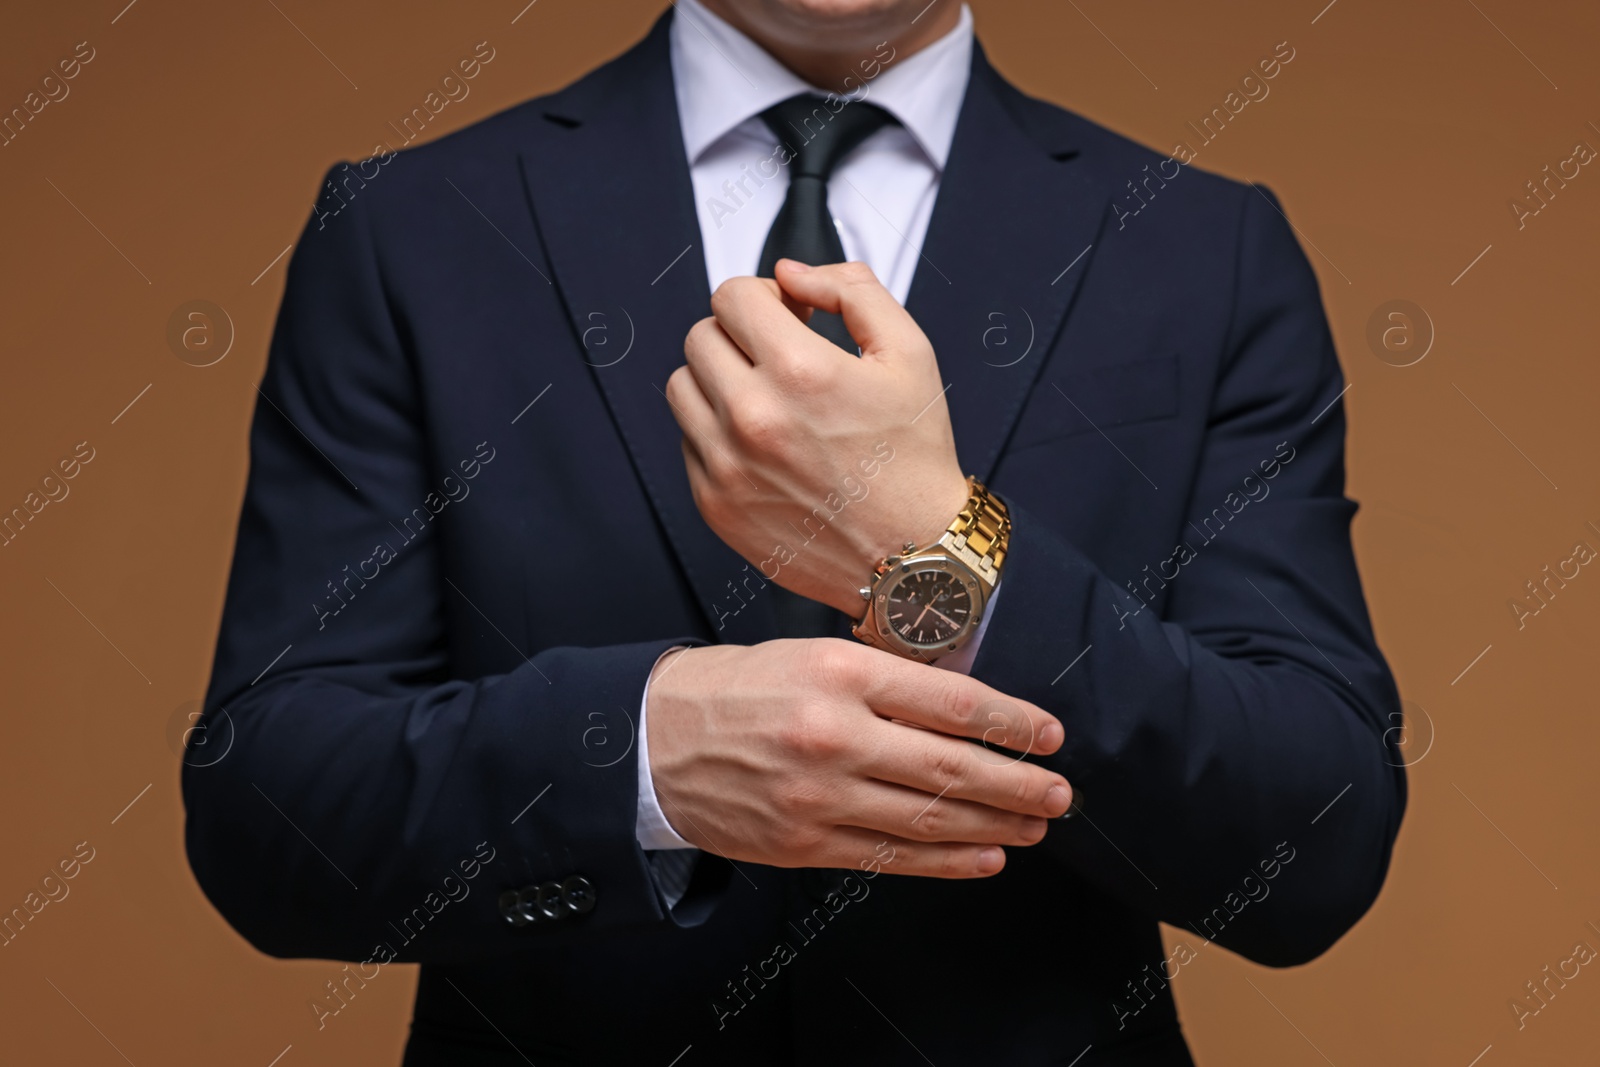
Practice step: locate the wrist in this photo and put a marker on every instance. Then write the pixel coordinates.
(921, 520)
(943, 507)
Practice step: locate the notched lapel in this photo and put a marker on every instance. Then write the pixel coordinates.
(609, 188)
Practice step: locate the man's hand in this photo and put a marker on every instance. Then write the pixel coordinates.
(809, 462)
(808, 754)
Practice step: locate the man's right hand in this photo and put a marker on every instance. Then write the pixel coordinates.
(807, 753)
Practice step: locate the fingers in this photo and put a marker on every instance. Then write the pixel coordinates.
(696, 417)
(873, 852)
(946, 767)
(958, 705)
(871, 313)
(918, 816)
(770, 328)
(714, 360)
(751, 309)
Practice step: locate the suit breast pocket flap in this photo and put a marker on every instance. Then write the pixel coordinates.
(1084, 399)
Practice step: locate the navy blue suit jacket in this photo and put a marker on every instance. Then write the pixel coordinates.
(445, 602)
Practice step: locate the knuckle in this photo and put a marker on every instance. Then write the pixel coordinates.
(757, 424)
(698, 335)
(833, 665)
(728, 294)
(998, 723)
(856, 272)
(721, 472)
(1027, 791)
(708, 501)
(795, 835)
(933, 824)
(795, 798)
(952, 702)
(675, 384)
(948, 765)
(809, 734)
(954, 863)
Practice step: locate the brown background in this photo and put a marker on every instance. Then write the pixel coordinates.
(193, 144)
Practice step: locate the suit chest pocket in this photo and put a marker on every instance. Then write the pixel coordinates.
(1084, 399)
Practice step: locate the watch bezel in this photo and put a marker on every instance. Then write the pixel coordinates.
(877, 616)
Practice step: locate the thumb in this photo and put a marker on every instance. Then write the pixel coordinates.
(870, 312)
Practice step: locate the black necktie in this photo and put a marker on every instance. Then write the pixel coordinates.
(819, 138)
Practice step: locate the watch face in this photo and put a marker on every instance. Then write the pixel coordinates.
(928, 607)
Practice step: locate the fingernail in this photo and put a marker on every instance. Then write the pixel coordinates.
(1052, 736)
(796, 265)
(1057, 800)
(990, 860)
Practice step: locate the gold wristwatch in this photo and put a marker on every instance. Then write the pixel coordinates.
(927, 602)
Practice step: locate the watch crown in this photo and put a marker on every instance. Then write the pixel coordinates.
(866, 592)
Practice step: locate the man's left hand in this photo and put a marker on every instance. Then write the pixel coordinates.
(811, 463)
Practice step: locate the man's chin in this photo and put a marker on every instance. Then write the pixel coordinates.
(824, 23)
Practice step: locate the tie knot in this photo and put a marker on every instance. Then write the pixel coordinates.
(822, 131)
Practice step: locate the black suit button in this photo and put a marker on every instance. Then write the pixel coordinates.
(510, 903)
(1076, 807)
(542, 902)
(578, 894)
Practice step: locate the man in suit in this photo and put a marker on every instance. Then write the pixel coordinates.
(589, 451)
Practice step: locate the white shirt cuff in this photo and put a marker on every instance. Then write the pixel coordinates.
(651, 826)
(961, 659)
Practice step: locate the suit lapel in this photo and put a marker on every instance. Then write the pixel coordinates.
(1009, 242)
(610, 189)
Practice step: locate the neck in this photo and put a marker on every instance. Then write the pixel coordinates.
(825, 56)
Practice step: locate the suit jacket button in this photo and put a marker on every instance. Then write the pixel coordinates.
(578, 894)
(528, 905)
(547, 901)
(510, 903)
(1076, 807)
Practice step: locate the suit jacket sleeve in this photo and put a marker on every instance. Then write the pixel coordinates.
(367, 796)
(1209, 733)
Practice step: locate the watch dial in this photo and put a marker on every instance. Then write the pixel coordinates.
(928, 607)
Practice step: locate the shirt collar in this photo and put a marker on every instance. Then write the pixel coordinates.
(722, 78)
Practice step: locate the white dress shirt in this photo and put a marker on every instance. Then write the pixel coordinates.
(881, 194)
